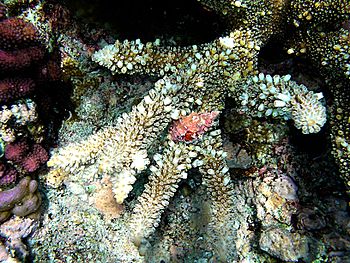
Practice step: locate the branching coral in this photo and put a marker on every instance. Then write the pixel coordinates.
(326, 44)
(314, 31)
(195, 81)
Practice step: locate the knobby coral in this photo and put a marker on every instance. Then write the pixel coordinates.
(21, 200)
(24, 73)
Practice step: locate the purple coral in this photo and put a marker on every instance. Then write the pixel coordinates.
(29, 157)
(35, 158)
(21, 200)
(25, 69)
(15, 88)
(20, 59)
(19, 49)
(16, 33)
(16, 151)
(8, 175)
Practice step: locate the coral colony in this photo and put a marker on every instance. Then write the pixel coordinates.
(23, 76)
(139, 156)
(19, 49)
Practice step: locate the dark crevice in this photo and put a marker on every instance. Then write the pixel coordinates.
(183, 21)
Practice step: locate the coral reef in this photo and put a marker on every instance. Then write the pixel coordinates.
(28, 74)
(173, 135)
(19, 49)
(8, 175)
(214, 71)
(325, 44)
(16, 33)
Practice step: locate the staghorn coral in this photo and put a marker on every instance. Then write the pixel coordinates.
(266, 95)
(158, 107)
(166, 175)
(198, 79)
(314, 31)
(216, 179)
(120, 151)
(128, 157)
(321, 38)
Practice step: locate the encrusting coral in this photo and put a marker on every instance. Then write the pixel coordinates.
(15, 231)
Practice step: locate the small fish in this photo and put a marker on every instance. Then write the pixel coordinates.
(191, 127)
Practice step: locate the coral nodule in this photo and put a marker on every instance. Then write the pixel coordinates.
(22, 200)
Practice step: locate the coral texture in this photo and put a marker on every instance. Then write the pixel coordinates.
(11, 89)
(24, 72)
(194, 79)
(20, 59)
(194, 83)
(15, 231)
(8, 175)
(29, 157)
(16, 118)
(16, 33)
(21, 134)
(21, 200)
